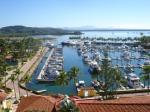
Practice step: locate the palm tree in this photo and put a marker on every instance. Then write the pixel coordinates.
(22, 50)
(17, 72)
(13, 78)
(62, 79)
(67, 106)
(95, 74)
(3, 70)
(109, 77)
(73, 73)
(27, 79)
(5, 51)
(146, 70)
(117, 78)
(144, 78)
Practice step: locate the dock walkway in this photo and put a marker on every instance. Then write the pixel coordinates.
(39, 78)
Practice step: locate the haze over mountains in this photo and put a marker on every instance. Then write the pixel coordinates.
(82, 28)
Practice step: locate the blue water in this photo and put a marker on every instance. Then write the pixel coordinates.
(71, 58)
(115, 34)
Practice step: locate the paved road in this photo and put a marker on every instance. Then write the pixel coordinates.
(24, 69)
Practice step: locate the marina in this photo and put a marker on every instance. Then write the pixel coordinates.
(52, 66)
(75, 56)
(88, 55)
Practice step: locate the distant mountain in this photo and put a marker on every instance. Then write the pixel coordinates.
(27, 31)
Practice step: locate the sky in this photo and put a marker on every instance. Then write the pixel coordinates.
(76, 13)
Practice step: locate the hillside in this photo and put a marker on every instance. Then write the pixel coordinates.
(27, 31)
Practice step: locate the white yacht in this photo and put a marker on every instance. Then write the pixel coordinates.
(97, 56)
(50, 45)
(126, 55)
(80, 84)
(86, 59)
(146, 63)
(133, 80)
(87, 43)
(94, 66)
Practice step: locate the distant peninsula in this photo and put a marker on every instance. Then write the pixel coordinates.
(21, 31)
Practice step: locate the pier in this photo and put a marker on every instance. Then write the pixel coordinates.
(52, 66)
(39, 78)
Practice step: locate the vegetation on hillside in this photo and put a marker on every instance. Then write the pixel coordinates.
(22, 31)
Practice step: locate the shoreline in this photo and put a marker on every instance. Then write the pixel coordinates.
(30, 72)
(26, 68)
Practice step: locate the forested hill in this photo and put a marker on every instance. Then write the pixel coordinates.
(20, 31)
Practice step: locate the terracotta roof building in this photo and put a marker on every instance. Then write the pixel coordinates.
(123, 104)
(37, 103)
(51, 104)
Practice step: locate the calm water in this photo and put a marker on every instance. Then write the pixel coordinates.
(114, 34)
(71, 58)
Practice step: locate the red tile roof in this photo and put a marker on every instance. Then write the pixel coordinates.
(123, 104)
(37, 102)
(114, 107)
(2, 96)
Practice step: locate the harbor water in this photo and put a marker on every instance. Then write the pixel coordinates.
(71, 58)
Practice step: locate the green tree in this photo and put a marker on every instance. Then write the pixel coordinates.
(62, 79)
(144, 78)
(13, 78)
(117, 79)
(109, 77)
(67, 106)
(3, 71)
(17, 73)
(146, 75)
(73, 73)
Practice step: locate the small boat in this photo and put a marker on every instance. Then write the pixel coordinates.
(146, 63)
(96, 56)
(87, 43)
(129, 69)
(65, 43)
(80, 84)
(126, 55)
(125, 47)
(107, 58)
(95, 83)
(50, 45)
(94, 66)
(72, 43)
(86, 59)
(41, 91)
(133, 80)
